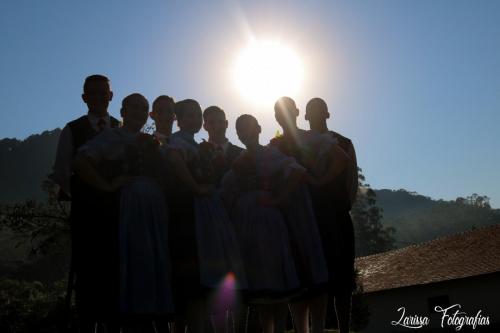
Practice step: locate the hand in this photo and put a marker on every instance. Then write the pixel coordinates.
(309, 162)
(118, 182)
(312, 180)
(268, 200)
(204, 190)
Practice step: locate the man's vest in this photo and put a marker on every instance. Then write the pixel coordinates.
(82, 131)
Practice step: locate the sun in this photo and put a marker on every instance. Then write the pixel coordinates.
(267, 70)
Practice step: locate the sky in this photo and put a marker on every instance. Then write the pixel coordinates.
(414, 84)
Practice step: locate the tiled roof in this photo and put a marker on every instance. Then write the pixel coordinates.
(470, 253)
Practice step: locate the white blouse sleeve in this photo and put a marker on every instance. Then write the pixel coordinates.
(279, 161)
(61, 171)
(104, 146)
(323, 143)
(187, 152)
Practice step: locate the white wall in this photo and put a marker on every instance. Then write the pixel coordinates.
(473, 294)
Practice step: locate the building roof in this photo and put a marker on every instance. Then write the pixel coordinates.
(466, 254)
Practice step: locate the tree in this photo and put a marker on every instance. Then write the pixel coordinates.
(27, 307)
(475, 200)
(44, 225)
(26, 304)
(371, 236)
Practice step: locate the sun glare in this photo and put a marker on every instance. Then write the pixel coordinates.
(266, 70)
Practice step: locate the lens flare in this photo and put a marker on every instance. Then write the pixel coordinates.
(225, 295)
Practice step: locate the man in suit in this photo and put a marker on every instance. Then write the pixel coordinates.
(96, 94)
(338, 196)
(215, 123)
(87, 206)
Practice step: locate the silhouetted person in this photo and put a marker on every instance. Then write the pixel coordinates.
(317, 114)
(88, 236)
(163, 115)
(190, 295)
(333, 203)
(133, 161)
(215, 123)
(216, 254)
(324, 161)
(254, 194)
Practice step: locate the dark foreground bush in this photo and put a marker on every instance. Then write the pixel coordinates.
(31, 306)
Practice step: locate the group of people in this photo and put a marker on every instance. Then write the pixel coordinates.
(169, 234)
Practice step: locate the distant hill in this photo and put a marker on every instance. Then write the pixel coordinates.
(418, 218)
(25, 164)
(400, 202)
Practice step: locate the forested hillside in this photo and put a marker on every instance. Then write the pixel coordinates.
(25, 164)
(418, 218)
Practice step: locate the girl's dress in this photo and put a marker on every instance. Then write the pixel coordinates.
(261, 230)
(217, 256)
(144, 260)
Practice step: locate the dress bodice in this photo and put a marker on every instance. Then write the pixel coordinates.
(264, 169)
(117, 152)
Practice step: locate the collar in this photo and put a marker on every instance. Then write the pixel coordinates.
(123, 132)
(223, 145)
(94, 120)
(189, 137)
(160, 136)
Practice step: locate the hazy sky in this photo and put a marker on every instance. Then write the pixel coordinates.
(414, 84)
